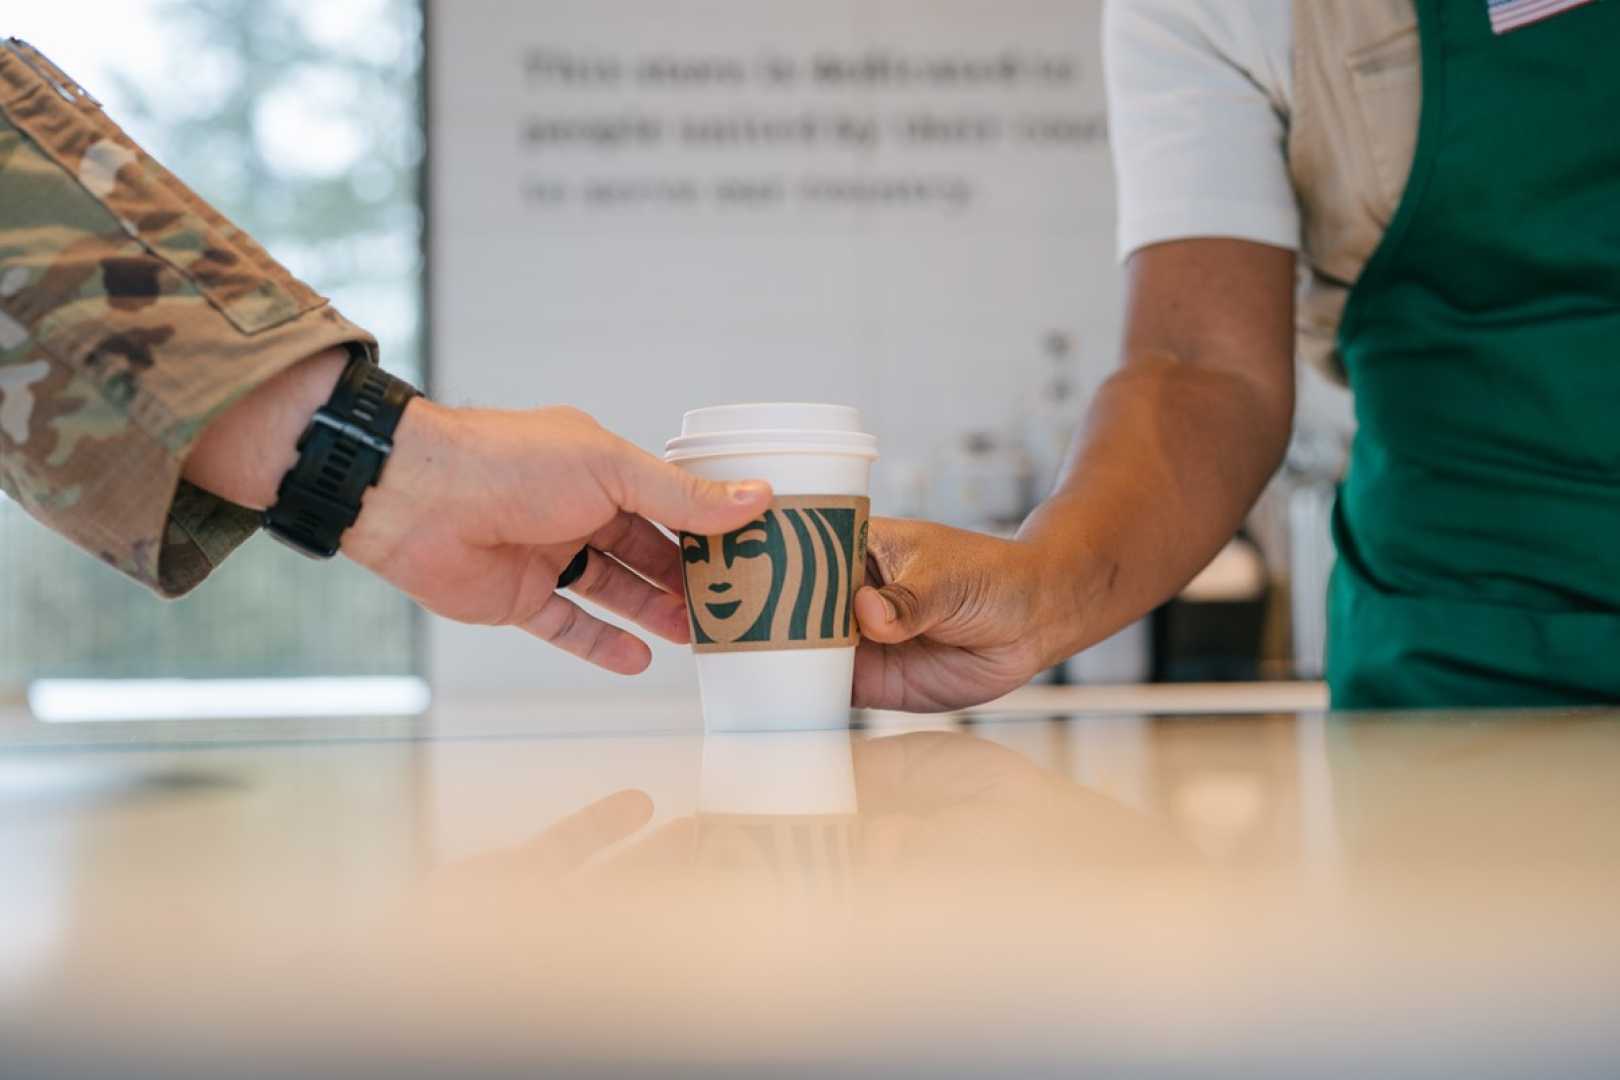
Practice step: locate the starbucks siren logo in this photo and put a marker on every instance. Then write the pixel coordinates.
(786, 580)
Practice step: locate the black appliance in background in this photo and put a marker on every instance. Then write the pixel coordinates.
(1215, 633)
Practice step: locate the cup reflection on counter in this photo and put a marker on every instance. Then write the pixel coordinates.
(777, 811)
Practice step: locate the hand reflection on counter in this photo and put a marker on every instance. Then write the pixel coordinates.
(818, 820)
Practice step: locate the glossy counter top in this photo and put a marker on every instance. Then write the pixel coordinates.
(491, 889)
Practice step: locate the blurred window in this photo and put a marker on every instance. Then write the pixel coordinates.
(301, 122)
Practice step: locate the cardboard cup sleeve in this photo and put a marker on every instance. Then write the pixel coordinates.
(786, 580)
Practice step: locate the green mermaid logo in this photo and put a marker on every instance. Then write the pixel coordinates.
(786, 580)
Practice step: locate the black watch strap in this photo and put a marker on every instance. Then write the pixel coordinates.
(340, 454)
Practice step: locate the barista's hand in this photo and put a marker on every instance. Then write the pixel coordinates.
(955, 618)
(478, 511)
(950, 800)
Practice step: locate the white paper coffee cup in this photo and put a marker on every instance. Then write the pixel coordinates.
(771, 606)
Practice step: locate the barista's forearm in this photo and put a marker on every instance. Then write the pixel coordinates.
(1178, 444)
(1172, 456)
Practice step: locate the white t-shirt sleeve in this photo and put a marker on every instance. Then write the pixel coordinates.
(1199, 95)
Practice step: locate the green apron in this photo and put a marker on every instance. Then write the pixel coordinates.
(1478, 526)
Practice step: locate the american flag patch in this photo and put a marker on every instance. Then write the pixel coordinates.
(1511, 14)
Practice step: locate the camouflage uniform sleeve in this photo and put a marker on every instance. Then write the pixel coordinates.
(131, 314)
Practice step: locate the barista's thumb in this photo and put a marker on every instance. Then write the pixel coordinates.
(904, 596)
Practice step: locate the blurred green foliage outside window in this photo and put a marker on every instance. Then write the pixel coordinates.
(301, 122)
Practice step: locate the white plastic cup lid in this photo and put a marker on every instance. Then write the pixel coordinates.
(771, 428)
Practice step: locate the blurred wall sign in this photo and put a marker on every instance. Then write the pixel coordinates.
(639, 209)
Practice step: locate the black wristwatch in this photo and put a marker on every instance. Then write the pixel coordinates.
(340, 454)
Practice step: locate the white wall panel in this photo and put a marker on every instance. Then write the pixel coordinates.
(929, 318)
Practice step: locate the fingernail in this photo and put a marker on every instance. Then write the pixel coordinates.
(748, 491)
(888, 608)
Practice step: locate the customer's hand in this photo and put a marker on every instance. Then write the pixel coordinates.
(477, 512)
(949, 618)
(547, 862)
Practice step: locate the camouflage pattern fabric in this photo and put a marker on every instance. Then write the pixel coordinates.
(131, 314)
